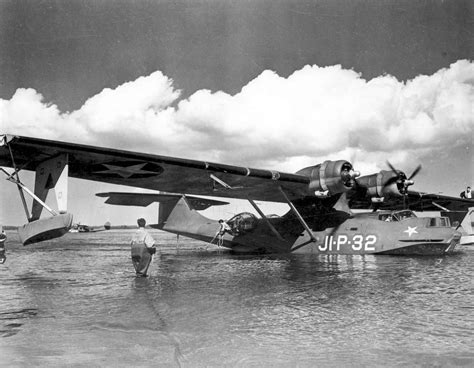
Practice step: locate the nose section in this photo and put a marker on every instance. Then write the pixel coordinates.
(348, 177)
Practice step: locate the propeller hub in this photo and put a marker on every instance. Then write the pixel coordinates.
(403, 182)
(348, 177)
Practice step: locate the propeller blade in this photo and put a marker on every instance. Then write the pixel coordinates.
(417, 170)
(391, 167)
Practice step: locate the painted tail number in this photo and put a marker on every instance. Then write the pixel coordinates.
(357, 242)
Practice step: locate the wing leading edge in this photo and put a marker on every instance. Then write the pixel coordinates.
(154, 172)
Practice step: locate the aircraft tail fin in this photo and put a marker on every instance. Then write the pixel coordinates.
(164, 210)
(167, 202)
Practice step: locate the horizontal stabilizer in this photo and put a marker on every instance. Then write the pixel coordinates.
(45, 229)
(145, 199)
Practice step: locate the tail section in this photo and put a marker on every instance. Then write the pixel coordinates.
(164, 210)
(167, 202)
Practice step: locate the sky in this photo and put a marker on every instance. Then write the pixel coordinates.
(266, 83)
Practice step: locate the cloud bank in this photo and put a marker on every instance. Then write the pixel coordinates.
(314, 114)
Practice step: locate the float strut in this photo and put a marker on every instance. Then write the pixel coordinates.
(22, 195)
(22, 187)
(272, 228)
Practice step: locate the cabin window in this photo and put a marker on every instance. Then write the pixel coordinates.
(439, 222)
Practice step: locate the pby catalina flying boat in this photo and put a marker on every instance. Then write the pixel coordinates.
(82, 228)
(319, 219)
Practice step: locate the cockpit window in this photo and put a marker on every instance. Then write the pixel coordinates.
(385, 217)
(402, 215)
(242, 223)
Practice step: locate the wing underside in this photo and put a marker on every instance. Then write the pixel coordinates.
(154, 172)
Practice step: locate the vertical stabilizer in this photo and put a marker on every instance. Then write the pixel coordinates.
(164, 210)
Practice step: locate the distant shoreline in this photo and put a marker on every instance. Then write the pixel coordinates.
(117, 227)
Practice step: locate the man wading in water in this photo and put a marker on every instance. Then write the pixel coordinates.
(143, 248)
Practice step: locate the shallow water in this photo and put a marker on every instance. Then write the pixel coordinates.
(76, 302)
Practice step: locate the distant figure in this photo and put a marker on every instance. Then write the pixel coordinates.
(143, 248)
(3, 238)
(467, 194)
(224, 228)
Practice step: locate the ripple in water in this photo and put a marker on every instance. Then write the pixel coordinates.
(75, 301)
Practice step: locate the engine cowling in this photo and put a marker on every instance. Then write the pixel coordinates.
(381, 184)
(393, 183)
(330, 177)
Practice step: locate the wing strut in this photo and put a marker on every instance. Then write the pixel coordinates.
(300, 218)
(51, 173)
(22, 195)
(272, 228)
(22, 188)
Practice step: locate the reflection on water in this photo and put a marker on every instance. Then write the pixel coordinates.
(75, 301)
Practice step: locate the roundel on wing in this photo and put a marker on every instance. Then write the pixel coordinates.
(127, 169)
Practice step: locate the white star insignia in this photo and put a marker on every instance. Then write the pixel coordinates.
(411, 230)
(125, 172)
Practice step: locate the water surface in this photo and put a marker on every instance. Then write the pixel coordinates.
(75, 301)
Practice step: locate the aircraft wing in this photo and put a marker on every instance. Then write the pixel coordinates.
(154, 172)
(416, 201)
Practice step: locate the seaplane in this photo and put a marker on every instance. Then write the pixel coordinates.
(83, 228)
(319, 220)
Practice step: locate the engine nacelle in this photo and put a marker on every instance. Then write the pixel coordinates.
(331, 177)
(376, 184)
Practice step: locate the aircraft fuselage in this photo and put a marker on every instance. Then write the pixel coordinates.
(359, 234)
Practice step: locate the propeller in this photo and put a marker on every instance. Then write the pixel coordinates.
(401, 179)
(348, 175)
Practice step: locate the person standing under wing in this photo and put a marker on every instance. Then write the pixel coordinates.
(142, 249)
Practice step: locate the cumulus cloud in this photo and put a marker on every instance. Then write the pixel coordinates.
(316, 113)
